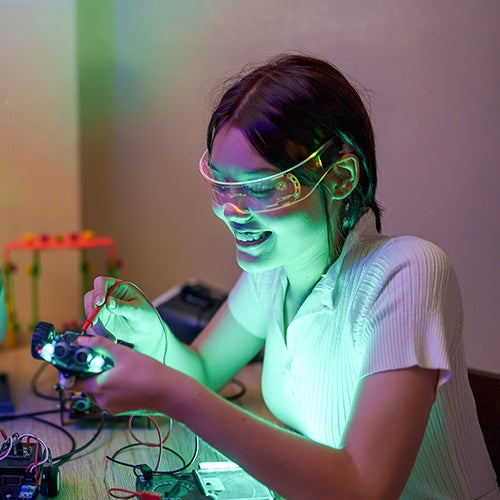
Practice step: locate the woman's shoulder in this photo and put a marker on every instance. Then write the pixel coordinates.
(385, 255)
(366, 241)
(415, 250)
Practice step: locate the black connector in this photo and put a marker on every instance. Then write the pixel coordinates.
(147, 472)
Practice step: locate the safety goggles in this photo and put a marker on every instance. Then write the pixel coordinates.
(268, 193)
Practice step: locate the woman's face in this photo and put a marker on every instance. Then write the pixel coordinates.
(294, 237)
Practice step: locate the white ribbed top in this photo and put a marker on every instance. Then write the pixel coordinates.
(385, 304)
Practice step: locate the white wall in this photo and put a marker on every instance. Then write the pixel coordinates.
(431, 68)
(39, 189)
(432, 74)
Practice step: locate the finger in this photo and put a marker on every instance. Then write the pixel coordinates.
(123, 290)
(99, 290)
(96, 298)
(97, 329)
(124, 307)
(101, 286)
(89, 302)
(95, 341)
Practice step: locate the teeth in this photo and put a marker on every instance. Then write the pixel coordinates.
(249, 236)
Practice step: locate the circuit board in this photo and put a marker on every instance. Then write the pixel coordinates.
(16, 480)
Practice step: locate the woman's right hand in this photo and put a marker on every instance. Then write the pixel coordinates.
(152, 384)
(127, 314)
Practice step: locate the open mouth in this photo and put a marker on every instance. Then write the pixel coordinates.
(251, 238)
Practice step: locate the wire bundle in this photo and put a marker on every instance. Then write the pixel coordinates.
(144, 469)
(13, 443)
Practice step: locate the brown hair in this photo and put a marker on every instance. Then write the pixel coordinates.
(291, 105)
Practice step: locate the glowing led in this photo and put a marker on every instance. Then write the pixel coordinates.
(47, 352)
(96, 364)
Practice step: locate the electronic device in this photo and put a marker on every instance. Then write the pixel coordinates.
(82, 407)
(228, 481)
(213, 480)
(172, 486)
(61, 350)
(17, 480)
(187, 308)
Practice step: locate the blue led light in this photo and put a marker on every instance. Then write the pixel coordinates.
(96, 364)
(47, 352)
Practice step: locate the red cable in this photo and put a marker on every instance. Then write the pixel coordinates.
(143, 495)
(91, 317)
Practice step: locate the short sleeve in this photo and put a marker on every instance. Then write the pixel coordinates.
(416, 317)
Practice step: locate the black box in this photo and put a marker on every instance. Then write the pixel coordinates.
(188, 308)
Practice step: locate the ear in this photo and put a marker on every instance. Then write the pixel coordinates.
(345, 172)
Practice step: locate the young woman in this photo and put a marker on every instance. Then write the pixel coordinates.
(364, 361)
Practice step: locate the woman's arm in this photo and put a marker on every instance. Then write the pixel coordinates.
(215, 356)
(381, 443)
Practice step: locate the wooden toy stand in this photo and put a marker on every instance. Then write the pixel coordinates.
(82, 242)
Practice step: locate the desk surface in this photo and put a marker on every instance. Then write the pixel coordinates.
(89, 474)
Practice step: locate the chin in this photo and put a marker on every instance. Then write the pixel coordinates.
(253, 264)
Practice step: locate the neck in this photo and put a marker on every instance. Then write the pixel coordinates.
(302, 279)
(303, 275)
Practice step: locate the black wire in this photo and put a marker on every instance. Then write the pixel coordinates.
(191, 461)
(166, 448)
(34, 382)
(36, 416)
(68, 456)
(61, 394)
(14, 416)
(33, 416)
(60, 390)
(135, 466)
(139, 467)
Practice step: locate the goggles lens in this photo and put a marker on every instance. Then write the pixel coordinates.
(268, 193)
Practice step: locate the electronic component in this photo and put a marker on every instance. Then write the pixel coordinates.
(82, 407)
(178, 486)
(18, 464)
(213, 480)
(228, 481)
(61, 350)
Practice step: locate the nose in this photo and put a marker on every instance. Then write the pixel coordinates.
(231, 210)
